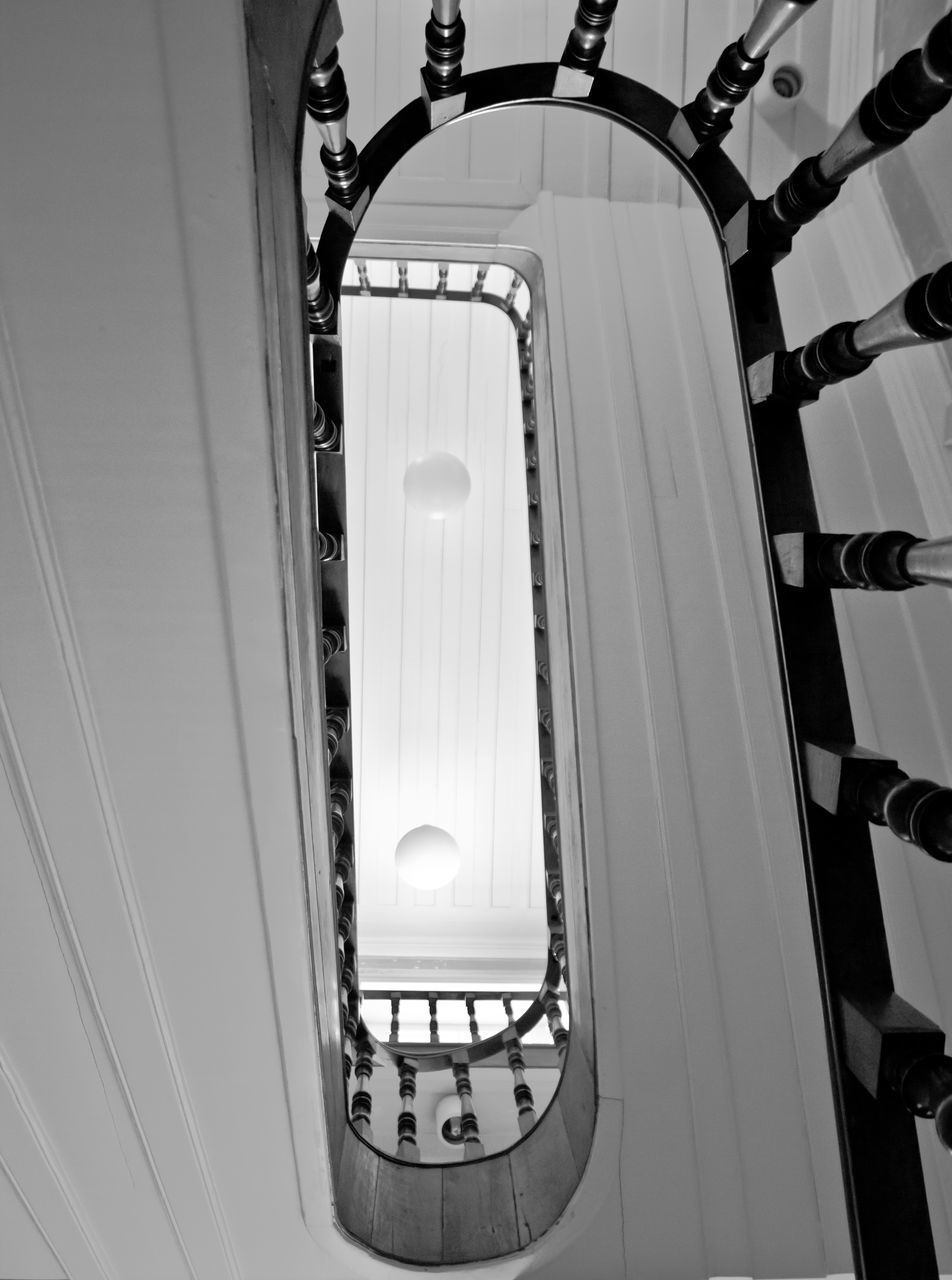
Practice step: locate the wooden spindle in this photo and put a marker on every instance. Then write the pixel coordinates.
(553, 1013)
(557, 947)
(321, 308)
(584, 48)
(394, 1017)
(343, 865)
(325, 433)
(434, 1023)
(545, 719)
(328, 105)
(708, 118)
(330, 546)
(547, 768)
(333, 641)
(340, 802)
(471, 1010)
(550, 825)
(407, 1148)
(542, 671)
(888, 561)
(514, 286)
(403, 275)
(521, 1089)
(469, 1124)
(843, 778)
(338, 722)
(351, 1025)
(908, 95)
(443, 272)
(445, 35)
(893, 1050)
(361, 1103)
(363, 277)
(919, 315)
(479, 283)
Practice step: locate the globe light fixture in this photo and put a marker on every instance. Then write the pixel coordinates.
(427, 857)
(436, 484)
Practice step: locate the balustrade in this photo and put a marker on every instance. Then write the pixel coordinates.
(878, 1042)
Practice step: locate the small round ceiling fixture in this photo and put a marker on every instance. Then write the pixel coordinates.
(436, 484)
(427, 857)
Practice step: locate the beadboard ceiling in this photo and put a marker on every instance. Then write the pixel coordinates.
(441, 637)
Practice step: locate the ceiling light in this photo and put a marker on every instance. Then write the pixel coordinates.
(427, 857)
(436, 484)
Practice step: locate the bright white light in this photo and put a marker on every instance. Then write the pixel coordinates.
(436, 484)
(427, 857)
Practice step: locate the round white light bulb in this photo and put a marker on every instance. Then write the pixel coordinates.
(436, 484)
(427, 857)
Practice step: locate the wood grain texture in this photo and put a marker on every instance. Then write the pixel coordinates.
(479, 1212)
(544, 1174)
(408, 1218)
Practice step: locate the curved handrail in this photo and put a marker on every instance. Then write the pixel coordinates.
(443, 1060)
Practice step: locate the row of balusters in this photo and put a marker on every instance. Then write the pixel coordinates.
(359, 1051)
(841, 777)
(408, 1065)
(905, 1048)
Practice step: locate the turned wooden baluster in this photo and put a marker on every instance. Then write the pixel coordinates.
(542, 671)
(333, 641)
(514, 285)
(479, 283)
(443, 270)
(394, 1017)
(403, 277)
(708, 118)
(330, 546)
(919, 315)
(343, 864)
(338, 722)
(553, 1013)
(434, 1024)
(361, 1103)
(321, 308)
(919, 85)
(584, 48)
(521, 1089)
(325, 432)
(469, 1124)
(887, 561)
(473, 1024)
(351, 1026)
(328, 105)
(363, 278)
(445, 35)
(407, 1148)
(844, 778)
(893, 1050)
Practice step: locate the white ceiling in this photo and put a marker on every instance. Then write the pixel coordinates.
(441, 637)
